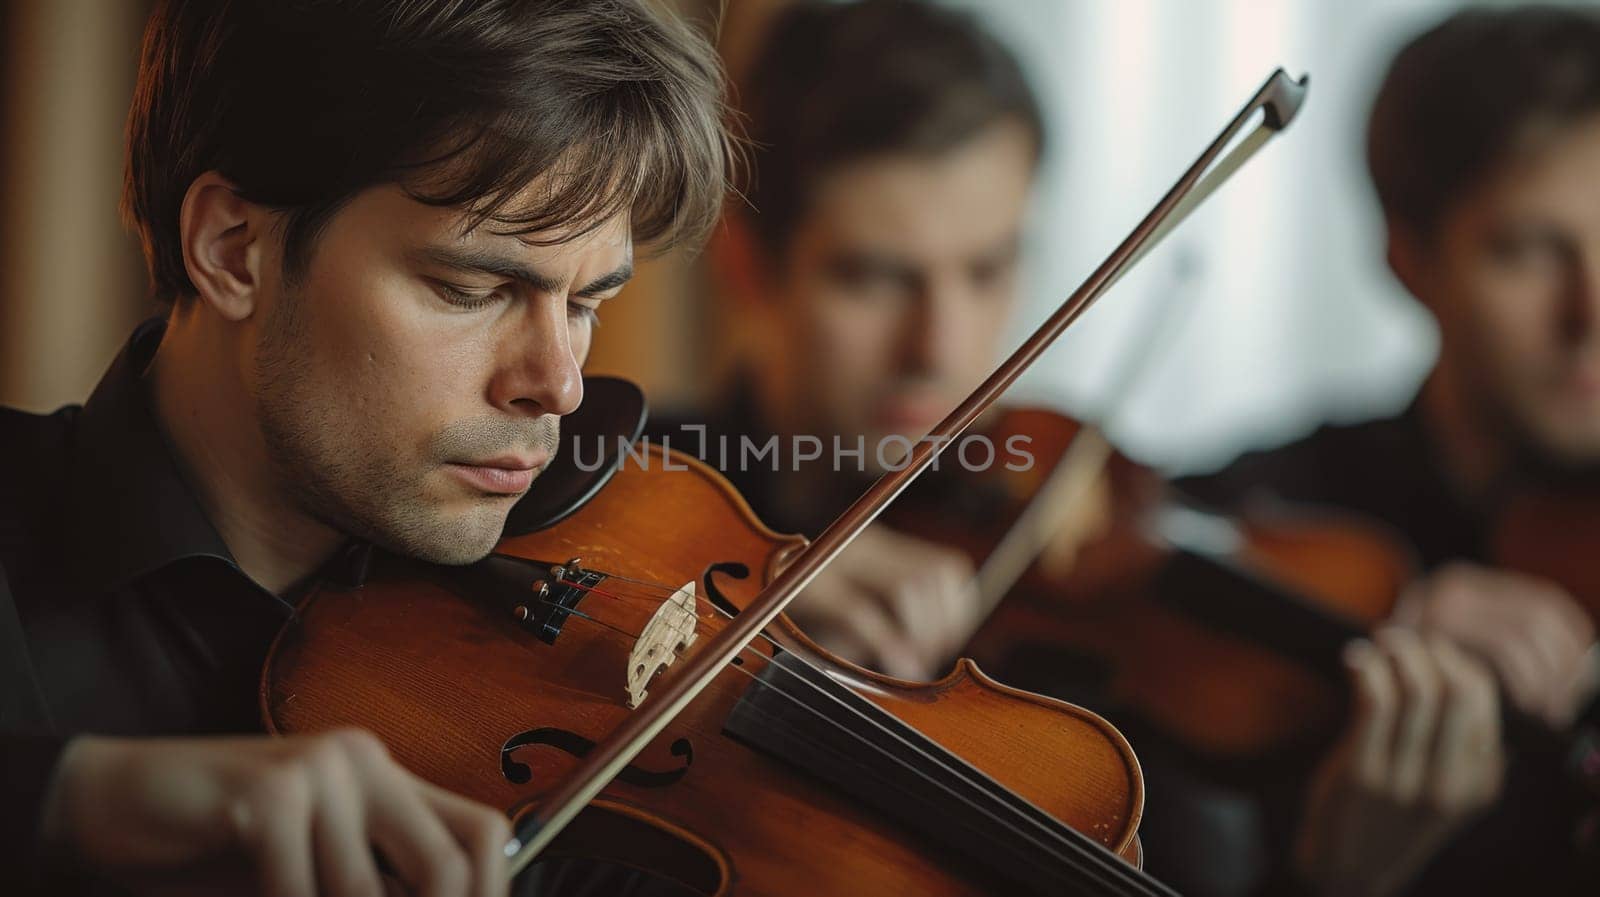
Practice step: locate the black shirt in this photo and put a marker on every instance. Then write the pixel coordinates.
(1389, 470)
(121, 610)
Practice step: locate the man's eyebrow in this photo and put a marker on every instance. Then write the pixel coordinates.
(483, 262)
(607, 281)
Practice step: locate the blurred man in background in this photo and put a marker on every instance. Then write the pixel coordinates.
(1484, 148)
(872, 273)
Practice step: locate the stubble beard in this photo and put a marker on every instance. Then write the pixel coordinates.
(1536, 452)
(330, 472)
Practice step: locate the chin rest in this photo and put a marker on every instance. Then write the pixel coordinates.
(610, 418)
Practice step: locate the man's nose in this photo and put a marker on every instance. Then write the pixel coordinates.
(539, 372)
(1581, 304)
(935, 331)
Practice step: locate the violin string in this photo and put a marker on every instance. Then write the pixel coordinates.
(664, 589)
(962, 771)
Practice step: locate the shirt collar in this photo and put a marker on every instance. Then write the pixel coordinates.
(129, 509)
(128, 506)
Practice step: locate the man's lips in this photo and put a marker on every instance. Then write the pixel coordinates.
(504, 475)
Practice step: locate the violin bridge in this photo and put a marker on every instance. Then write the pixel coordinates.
(669, 632)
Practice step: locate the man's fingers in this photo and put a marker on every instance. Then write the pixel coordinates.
(929, 592)
(936, 611)
(919, 612)
(343, 852)
(1543, 630)
(1521, 671)
(418, 845)
(1371, 733)
(854, 625)
(1559, 634)
(966, 611)
(910, 601)
(904, 563)
(274, 822)
(1563, 647)
(1416, 711)
(1467, 755)
(481, 832)
(1529, 629)
(408, 831)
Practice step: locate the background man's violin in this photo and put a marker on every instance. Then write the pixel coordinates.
(1224, 634)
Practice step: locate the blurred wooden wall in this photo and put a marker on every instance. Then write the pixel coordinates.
(72, 282)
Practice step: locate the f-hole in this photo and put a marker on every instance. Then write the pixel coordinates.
(713, 594)
(519, 773)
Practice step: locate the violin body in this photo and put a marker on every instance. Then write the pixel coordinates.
(464, 694)
(1223, 635)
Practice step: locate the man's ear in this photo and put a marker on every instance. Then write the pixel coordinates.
(223, 238)
(1407, 257)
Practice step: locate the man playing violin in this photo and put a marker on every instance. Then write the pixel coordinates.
(383, 230)
(1484, 148)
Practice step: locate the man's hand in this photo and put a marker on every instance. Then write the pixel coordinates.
(1532, 633)
(893, 603)
(1421, 755)
(275, 816)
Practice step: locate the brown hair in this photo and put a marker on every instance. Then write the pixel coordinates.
(1464, 96)
(304, 103)
(835, 83)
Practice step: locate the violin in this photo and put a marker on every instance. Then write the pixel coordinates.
(1221, 634)
(619, 677)
(497, 679)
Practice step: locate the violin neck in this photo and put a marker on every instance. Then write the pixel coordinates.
(1215, 590)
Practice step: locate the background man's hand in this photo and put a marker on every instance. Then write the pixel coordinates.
(893, 603)
(1531, 632)
(275, 816)
(1420, 756)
